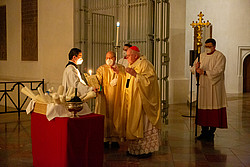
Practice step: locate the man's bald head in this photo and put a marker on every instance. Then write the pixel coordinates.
(111, 55)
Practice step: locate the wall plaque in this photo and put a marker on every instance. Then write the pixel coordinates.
(3, 34)
(29, 30)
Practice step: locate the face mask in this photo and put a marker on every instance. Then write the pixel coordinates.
(109, 62)
(124, 53)
(79, 61)
(208, 50)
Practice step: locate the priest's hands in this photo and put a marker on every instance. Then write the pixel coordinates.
(197, 65)
(131, 71)
(95, 90)
(115, 69)
(200, 71)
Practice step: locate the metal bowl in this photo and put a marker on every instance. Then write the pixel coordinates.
(74, 107)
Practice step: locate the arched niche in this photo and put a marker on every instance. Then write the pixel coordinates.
(246, 74)
(243, 52)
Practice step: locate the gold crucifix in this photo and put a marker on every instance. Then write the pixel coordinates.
(199, 26)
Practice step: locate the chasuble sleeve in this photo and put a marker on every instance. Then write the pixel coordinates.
(149, 92)
(99, 75)
(100, 106)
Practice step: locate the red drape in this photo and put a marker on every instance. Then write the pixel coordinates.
(67, 142)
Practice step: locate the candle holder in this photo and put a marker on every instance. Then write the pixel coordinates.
(117, 47)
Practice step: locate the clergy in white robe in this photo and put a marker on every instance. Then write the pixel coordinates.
(123, 61)
(143, 109)
(109, 100)
(72, 77)
(212, 95)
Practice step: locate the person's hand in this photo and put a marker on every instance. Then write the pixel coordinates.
(200, 71)
(131, 71)
(115, 69)
(95, 90)
(197, 65)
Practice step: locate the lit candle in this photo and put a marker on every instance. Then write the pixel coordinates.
(90, 72)
(117, 32)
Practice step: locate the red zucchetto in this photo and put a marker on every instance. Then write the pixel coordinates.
(135, 48)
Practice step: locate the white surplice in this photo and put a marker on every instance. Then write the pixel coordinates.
(212, 93)
(123, 62)
(72, 78)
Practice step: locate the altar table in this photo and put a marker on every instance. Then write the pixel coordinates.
(67, 142)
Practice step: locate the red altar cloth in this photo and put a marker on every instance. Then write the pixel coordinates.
(67, 142)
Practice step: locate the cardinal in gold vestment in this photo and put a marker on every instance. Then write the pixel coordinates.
(109, 100)
(142, 98)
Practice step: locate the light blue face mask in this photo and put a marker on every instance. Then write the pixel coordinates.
(124, 53)
(79, 61)
(208, 50)
(109, 62)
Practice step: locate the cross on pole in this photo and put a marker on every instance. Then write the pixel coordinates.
(199, 26)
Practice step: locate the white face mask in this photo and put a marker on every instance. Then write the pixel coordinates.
(79, 61)
(124, 53)
(208, 50)
(109, 62)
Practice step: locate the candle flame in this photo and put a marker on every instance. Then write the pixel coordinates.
(118, 24)
(90, 72)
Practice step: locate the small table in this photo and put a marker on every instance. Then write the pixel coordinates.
(67, 142)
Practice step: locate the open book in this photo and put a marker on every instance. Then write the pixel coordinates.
(92, 81)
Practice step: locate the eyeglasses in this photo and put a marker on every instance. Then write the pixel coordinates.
(209, 46)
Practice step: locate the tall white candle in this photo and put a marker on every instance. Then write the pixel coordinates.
(117, 32)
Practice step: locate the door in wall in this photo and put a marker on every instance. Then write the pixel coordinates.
(246, 74)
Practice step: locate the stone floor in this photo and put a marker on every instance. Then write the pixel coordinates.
(231, 147)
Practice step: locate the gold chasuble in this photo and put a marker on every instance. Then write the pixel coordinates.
(109, 101)
(142, 99)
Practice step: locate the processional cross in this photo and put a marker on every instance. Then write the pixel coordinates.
(199, 26)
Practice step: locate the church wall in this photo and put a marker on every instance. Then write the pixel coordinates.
(2, 2)
(56, 32)
(55, 39)
(230, 20)
(178, 82)
(12, 66)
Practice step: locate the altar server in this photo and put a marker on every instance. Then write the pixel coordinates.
(212, 95)
(71, 75)
(123, 61)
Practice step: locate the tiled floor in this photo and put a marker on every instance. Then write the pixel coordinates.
(231, 147)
